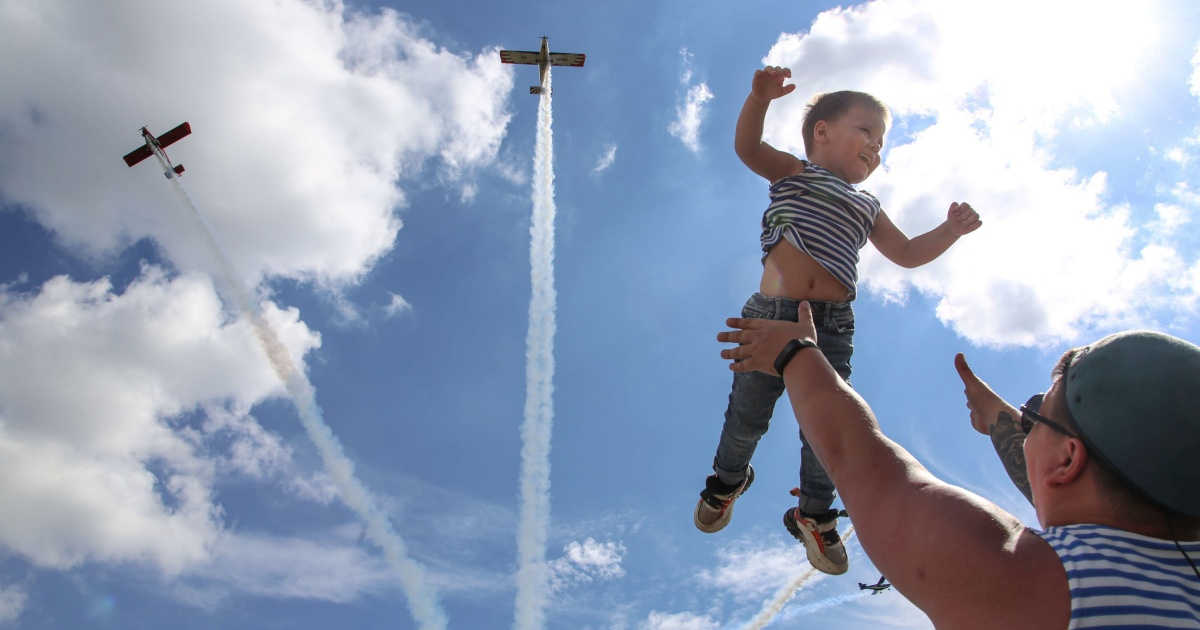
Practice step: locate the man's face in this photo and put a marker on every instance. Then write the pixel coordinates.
(849, 145)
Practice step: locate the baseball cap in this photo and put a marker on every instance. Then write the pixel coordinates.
(1135, 398)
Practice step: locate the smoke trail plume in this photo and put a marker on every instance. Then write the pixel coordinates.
(828, 602)
(422, 601)
(785, 594)
(532, 572)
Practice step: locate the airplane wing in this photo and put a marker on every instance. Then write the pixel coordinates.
(173, 136)
(519, 56)
(565, 59)
(138, 154)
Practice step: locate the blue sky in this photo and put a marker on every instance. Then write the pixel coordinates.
(368, 170)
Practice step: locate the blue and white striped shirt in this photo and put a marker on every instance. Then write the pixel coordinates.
(1123, 580)
(823, 217)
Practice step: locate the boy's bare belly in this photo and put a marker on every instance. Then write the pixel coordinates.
(789, 272)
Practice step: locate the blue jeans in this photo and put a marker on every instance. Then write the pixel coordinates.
(752, 400)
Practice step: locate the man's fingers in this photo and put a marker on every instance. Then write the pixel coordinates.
(733, 336)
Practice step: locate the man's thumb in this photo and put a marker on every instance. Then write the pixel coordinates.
(964, 370)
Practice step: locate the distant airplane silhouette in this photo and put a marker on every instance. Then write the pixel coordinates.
(875, 588)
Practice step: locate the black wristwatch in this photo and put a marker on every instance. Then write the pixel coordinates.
(790, 351)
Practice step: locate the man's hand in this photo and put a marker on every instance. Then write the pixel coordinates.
(761, 340)
(993, 417)
(768, 84)
(962, 219)
(985, 404)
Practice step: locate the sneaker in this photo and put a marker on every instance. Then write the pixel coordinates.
(819, 534)
(715, 506)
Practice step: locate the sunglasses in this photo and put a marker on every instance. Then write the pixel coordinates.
(1030, 416)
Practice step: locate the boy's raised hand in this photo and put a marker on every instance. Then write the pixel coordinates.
(768, 83)
(962, 219)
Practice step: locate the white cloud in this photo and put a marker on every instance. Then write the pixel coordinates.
(119, 413)
(606, 159)
(12, 603)
(585, 562)
(685, 77)
(690, 115)
(752, 570)
(1056, 259)
(678, 621)
(333, 570)
(260, 455)
(397, 305)
(1195, 79)
(98, 461)
(305, 117)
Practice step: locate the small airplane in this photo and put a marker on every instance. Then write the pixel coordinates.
(155, 145)
(542, 60)
(875, 588)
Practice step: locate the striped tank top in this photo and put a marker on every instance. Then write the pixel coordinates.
(823, 217)
(1123, 580)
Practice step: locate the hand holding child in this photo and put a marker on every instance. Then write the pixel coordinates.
(760, 340)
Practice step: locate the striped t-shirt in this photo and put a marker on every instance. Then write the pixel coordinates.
(1123, 580)
(823, 217)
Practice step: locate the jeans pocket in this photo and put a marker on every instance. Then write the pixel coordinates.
(755, 311)
(842, 322)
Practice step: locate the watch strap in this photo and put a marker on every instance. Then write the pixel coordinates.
(790, 351)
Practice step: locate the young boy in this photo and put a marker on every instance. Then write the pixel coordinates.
(811, 233)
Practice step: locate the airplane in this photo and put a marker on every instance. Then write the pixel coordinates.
(875, 588)
(542, 60)
(155, 145)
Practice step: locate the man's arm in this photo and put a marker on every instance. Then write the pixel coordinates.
(765, 160)
(961, 219)
(992, 416)
(961, 559)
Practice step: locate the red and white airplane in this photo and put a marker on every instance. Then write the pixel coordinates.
(542, 60)
(155, 146)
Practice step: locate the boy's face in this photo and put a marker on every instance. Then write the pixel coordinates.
(849, 145)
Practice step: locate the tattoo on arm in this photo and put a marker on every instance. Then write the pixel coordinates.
(1009, 442)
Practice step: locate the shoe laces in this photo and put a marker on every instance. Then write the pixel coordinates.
(825, 524)
(717, 494)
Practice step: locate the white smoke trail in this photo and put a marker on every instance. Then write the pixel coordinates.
(532, 572)
(422, 601)
(828, 602)
(785, 594)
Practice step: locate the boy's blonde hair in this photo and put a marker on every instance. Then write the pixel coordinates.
(829, 106)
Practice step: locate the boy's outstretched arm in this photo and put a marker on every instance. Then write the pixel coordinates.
(760, 157)
(992, 416)
(961, 219)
